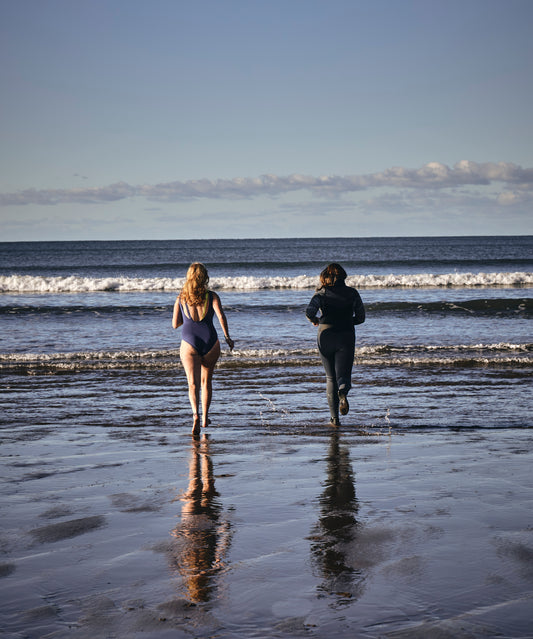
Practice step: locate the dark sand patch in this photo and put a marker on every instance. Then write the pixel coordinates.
(514, 548)
(41, 613)
(130, 503)
(67, 529)
(7, 569)
(56, 513)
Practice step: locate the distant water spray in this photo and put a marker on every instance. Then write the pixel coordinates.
(272, 409)
(383, 423)
(387, 420)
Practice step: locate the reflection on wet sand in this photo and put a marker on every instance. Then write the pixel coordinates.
(335, 533)
(202, 537)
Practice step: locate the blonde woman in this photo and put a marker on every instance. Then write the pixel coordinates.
(200, 349)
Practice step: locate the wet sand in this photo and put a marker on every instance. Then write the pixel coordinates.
(266, 532)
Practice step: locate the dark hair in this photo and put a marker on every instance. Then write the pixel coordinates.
(332, 274)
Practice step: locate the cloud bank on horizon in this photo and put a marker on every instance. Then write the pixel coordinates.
(517, 183)
(212, 119)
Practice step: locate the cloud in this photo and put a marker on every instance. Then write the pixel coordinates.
(111, 193)
(510, 198)
(431, 176)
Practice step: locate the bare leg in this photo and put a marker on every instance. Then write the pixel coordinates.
(208, 366)
(192, 363)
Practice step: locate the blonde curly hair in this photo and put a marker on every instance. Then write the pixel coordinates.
(195, 287)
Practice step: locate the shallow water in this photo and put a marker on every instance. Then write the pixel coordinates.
(412, 520)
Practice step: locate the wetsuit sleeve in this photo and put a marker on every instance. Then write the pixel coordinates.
(358, 309)
(313, 308)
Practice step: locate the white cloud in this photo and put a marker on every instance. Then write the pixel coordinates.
(431, 176)
(511, 198)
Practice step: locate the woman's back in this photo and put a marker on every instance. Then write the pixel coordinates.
(340, 306)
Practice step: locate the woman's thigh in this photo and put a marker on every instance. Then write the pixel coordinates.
(192, 362)
(337, 352)
(210, 360)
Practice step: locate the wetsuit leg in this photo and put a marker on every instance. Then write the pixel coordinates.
(326, 344)
(337, 353)
(331, 385)
(344, 361)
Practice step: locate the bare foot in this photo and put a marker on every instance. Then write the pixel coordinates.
(196, 426)
(206, 423)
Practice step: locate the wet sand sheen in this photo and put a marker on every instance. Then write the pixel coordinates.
(267, 533)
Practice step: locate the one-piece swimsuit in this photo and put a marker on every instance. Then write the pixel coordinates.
(201, 334)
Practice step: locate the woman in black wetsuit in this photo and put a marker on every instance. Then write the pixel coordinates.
(200, 349)
(341, 308)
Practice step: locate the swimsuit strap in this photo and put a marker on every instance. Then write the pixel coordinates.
(185, 309)
(206, 305)
(188, 312)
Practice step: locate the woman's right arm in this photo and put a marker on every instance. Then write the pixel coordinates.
(312, 310)
(177, 319)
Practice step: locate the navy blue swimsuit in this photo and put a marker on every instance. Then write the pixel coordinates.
(201, 334)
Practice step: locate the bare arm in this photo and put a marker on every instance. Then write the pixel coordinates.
(217, 307)
(177, 319)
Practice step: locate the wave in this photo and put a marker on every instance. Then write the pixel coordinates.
(78, 284)
(314, 265)
(508, 307)
(56, 311)
(461, 355)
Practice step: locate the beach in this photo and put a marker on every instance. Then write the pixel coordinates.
(411, 519)
(266, 532)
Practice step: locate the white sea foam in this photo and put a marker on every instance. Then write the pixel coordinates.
(77, 284)
(498, 354)
(258, 353)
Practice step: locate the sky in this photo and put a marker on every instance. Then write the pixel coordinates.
(199, 119)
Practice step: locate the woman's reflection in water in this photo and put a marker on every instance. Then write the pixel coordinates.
(202, 537)
(335, 534)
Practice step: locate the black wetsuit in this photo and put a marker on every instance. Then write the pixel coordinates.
(341, 308)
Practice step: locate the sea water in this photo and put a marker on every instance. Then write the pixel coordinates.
(447, 340)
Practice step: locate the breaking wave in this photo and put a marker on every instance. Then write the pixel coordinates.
(461, 355)
(78, 284)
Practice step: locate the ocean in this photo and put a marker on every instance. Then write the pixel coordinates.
(412, 519)
(447, 341)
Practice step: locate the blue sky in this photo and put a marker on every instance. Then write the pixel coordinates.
(163, 119)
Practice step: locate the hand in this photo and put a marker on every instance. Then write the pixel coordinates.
(230, 343)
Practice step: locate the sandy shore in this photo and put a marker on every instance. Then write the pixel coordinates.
(132, 532)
